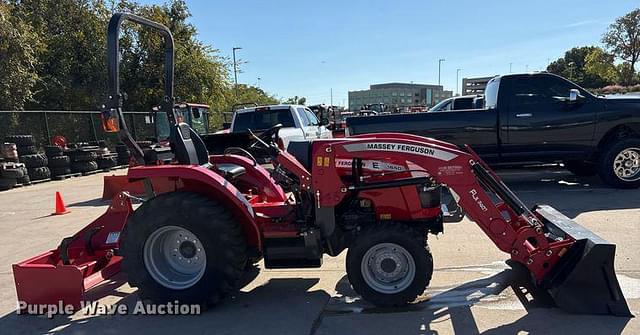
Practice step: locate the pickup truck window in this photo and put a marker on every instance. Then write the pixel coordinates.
(312, 117)
(491, 93)
(463, 103)
(542, 89)
(262, 120)
(303, 116)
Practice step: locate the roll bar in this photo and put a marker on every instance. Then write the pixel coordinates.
(114, 103)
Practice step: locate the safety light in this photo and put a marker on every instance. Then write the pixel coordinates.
(110, 120)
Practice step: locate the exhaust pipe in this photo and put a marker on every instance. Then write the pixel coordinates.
(583, 281)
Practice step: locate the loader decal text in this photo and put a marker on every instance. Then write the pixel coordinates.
(476, 198)
(402, 148)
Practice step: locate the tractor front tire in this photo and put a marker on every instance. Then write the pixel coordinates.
(389, 264)
(183, 246)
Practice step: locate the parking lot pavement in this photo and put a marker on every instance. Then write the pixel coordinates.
(473, 289)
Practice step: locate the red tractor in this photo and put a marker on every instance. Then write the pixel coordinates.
(378, 196)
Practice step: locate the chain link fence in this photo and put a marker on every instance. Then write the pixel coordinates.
(75, 126)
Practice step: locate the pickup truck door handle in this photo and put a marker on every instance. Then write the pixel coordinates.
(524, 115)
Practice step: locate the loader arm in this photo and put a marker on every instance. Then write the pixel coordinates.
(550, 245)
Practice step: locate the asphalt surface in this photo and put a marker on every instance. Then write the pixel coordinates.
(473, 290)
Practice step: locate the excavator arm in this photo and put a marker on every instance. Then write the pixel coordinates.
(574, 264)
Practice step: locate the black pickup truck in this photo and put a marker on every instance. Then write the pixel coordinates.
(535, 118)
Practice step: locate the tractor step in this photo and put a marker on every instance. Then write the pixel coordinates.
(293, 252)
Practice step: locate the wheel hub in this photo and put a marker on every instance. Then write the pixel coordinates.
(174, 257)
(626, 165)
(388, 268)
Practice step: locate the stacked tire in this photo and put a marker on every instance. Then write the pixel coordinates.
(12, 174)
(59, 163)
(83, 160)
(106, 159)
(25, 144)
(36, 166)
(123, 154)
(9, 152)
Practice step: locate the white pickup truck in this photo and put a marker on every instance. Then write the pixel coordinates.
(299, 123)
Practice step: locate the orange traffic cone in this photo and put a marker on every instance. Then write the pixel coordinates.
(60, 207)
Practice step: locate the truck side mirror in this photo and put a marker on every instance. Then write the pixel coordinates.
(574, 95)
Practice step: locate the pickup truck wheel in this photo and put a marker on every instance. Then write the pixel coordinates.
(581, 168)
(183, 246)
(389, 264)
(619, 164)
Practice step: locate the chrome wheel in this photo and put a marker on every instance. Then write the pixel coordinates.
(388, 268)
(626, 165)
(174, 257)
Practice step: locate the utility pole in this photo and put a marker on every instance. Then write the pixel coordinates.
(457, 75)
(439, 67)
(331, 96)
(510, 66)
(235, 70)
(259, 82)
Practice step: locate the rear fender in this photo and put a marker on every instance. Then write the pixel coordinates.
(202, 180)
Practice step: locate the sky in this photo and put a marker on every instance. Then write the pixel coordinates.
(311, 48)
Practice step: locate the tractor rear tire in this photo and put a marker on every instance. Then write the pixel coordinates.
(209, 225)
(389, 264)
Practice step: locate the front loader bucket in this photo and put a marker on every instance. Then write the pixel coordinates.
(583, 281)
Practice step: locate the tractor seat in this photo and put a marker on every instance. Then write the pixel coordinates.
(188, 147)
(230, 171)
(301, 150)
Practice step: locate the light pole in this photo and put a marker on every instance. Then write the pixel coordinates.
(235, 70)
(457, 75)
(259, 82)
(439, 66)
(571, 66)
(510, 66)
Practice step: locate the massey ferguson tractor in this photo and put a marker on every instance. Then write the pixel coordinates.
(378, 196)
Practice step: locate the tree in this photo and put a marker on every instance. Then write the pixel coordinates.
(295, 100)
(599, 64)
(18, 60)
(573, 67)
(623, 38)
(72, 67)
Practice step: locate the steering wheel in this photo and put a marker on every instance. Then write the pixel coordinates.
(266, 138)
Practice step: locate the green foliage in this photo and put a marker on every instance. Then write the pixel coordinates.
(599, 64)
(623, 38)
(53, 57)
(573, 67)
(18, 60)
(295, 100)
